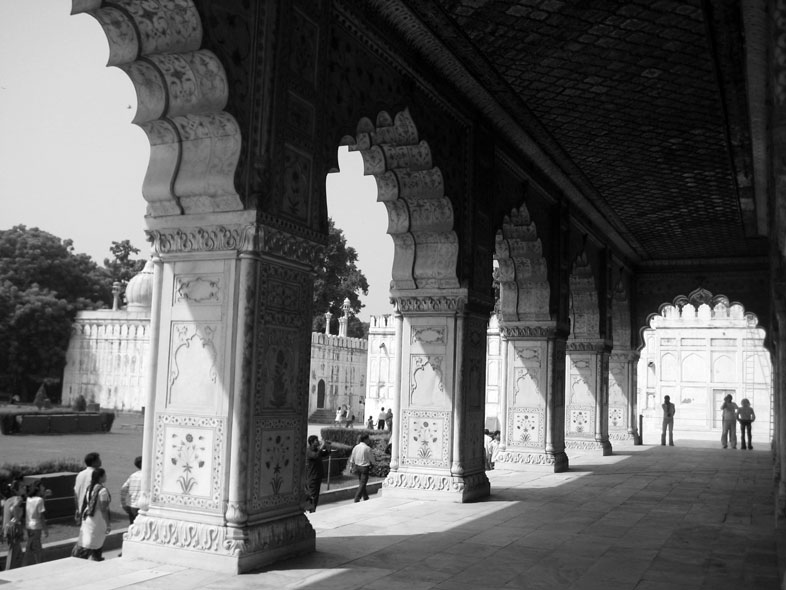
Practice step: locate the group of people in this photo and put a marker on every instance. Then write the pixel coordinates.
(345, 418)
(731, 413)
(360, 463)
(24, 513)
(384, 420)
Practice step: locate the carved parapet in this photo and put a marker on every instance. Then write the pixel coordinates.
(512, 332)
(429, 303)
(512, 460)
(588, 445)
(462, 488)
(586, 346)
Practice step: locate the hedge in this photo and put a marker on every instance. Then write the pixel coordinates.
(344, 439)
(59, 423)
(12, 471)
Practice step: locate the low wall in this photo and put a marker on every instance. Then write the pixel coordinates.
(35, 423)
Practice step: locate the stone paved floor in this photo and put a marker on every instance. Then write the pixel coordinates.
(690, 517)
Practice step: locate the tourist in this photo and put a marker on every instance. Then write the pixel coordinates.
(131, 490)
(314, 471)
(488, 437)
(381, 419)
(746, 417)
(350, 419)
(729, 409)
(389, 419)
(14, 523)
(370, 423)
(35, 524)
(92, 461)
(668, 421)
(338, 416)
(360, 462)
(95, 518)
(493, 448)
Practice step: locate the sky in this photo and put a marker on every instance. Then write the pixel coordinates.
(72, 163)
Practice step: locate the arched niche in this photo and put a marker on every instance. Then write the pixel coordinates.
(420, 215)
(181, 94)
(522, 270)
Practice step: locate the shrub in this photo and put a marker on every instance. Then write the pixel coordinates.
(344, 439)
(12, 471)
(79, 404)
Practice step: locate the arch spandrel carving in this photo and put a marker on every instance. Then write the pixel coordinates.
(524, 289)
(181, 93)
(420, 215)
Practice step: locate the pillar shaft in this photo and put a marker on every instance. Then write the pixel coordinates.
(587, 376)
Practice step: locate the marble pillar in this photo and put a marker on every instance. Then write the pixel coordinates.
(586, 414)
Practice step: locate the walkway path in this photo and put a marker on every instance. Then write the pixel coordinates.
(691, 517)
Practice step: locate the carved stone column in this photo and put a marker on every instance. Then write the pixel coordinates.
(535, 390)
(439, 445)
(622, 395)
(225, 427)
(587, 403)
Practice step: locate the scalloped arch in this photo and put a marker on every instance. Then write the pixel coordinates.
(181, 94)
(420, 216)
(524, 289)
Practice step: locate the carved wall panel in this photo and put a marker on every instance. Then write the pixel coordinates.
(198, 290)
(426, 379)
(196, 365)
(584, 309)
(426, 438)
(189, 462)
(580, 406)
(526, 427)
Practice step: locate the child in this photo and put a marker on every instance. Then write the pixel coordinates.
(745, 416)
(35, 523)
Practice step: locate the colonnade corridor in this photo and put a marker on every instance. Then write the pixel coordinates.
(689, 517)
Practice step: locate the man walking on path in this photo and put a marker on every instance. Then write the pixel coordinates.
(360, 462)
(130, 491)
(668, 421)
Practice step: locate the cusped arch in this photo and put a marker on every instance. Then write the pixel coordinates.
(523, 274)
(420, 215)
(181, 94)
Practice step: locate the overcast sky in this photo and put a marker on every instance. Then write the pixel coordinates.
(72, 164)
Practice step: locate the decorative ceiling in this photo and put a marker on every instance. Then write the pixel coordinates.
(646, 101)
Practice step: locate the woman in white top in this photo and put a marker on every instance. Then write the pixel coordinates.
(95, 516)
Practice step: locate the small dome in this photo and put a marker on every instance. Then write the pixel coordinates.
(139, 291)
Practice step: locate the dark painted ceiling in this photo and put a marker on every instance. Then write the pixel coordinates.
(645, 97)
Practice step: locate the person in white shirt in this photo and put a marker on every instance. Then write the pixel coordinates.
(35, 523)
(361, 461)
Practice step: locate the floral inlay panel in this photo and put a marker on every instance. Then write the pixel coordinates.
(581, 421)
(617, 418)
(187, 470)
(278, 462)
(526, 427)
(425, 438)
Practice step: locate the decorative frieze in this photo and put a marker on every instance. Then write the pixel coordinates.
(512, 332)
(435, 483)
(430, 304)
(585, 445)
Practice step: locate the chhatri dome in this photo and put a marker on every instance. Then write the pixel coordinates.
(139, 291)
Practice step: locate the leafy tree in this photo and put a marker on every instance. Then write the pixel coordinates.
(123, 268)
(338, 278)
(43, 283)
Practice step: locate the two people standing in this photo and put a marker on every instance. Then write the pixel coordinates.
(24, 513)
(732, 413)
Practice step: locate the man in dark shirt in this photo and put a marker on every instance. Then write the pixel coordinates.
(314, 472)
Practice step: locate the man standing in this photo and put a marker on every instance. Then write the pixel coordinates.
(130, 490)
(360, 462)
(389, 419)
(314, 472)
(729, 410)
(381, 419)
(668, 421)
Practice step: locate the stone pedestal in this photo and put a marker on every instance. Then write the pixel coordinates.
(438, 437)
(226, 420)
(586, 415)
(533, 434)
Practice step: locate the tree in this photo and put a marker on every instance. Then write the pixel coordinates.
(338, 278)
(43, 283)
(123, 268)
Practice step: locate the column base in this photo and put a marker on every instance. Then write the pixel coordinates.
(218, 548)
(427, 486)
(622, 437)
(589, 445)
(533, 461)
